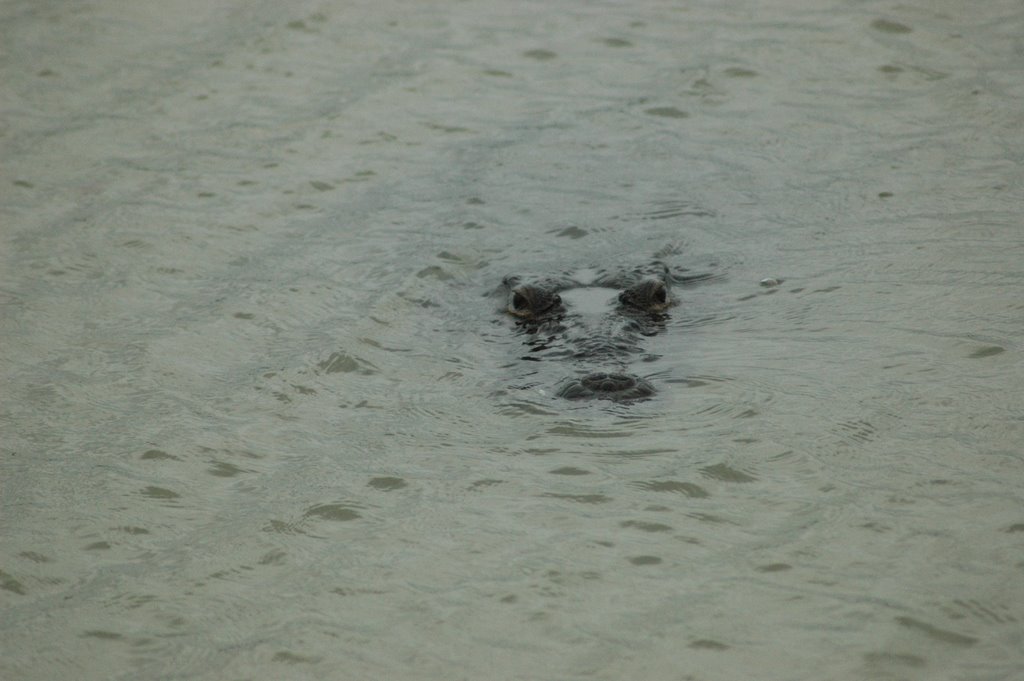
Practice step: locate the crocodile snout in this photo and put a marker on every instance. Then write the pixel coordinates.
(608, 386)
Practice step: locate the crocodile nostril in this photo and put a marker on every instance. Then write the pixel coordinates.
(603, 385)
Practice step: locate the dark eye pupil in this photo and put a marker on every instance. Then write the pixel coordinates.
(660, 295)
(519, 301)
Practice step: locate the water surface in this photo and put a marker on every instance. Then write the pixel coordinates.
(263, 418)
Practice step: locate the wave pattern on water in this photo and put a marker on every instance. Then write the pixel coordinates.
(264, 417)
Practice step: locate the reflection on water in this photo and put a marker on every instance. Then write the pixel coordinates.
(264, 418)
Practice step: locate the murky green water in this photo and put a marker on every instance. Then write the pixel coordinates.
(262, 419)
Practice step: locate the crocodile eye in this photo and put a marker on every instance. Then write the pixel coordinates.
(661, 296)
(520, 302)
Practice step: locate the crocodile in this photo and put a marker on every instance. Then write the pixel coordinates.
(597, 322)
